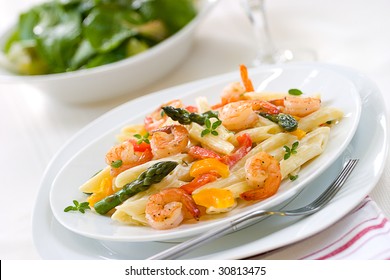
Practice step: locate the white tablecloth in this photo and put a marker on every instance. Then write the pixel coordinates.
(352, 33)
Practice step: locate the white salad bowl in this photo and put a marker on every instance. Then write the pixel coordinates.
(118, 78)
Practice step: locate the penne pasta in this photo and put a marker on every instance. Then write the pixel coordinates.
(273, 145)
(238, 188)
(202, 104)
(131, 212)
(128, 132)
(319, 117)
(93, 184)
(219, 143)
(234, 178)
(270, 96)
(312, 145)
(260, 133)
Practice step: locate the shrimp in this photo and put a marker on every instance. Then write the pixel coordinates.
(169, 140)
(242, 114)
(165, 210)
(263, 173)
(232, 93)
(245, 79)
(157, 119)
(300, 106)
(122, 157)
(235, 91)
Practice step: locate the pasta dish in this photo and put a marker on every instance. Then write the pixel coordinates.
(187, 162)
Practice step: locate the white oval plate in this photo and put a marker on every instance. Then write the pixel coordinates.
(53, 241)
(335, 89)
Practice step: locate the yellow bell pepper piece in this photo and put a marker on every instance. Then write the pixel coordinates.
(105, 190)
(298, 133)
(218, 198)
(209, 165)
(297, 118)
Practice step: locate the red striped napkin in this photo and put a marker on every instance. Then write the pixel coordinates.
(363, 234)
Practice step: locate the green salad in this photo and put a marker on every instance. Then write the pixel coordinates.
(67, 35)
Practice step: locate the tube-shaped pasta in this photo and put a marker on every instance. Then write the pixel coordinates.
(218, 143)
(273, 145)
(236, 177)
(309, 147)
(319, 117)
(202, 104)
(238, 188)
(260, 133)
(93, 184)
(129, 131)
(131, 212)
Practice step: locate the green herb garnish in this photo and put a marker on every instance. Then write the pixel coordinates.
(142, 138)
(295, 91)
(81, 207)
(211, 127)
(116, 164)
(293, 177)
(290, 151)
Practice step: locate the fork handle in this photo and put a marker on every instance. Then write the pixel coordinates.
(186, 246)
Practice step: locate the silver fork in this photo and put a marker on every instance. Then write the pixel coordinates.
(253, 217)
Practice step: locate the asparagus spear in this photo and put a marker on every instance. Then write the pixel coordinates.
(152, 175)
(184, 117)
(285, 121)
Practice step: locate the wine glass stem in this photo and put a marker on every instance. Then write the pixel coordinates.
(266, 50)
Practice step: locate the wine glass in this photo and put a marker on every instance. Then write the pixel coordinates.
(267, 53)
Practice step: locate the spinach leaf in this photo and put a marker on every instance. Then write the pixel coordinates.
(106, 58)
(26, 24)
(106, 27)
(58, 34)
(50, 35)
(83, 53)
(24, 34)
(174, 13)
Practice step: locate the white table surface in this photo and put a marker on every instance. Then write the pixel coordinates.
(351, 33)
